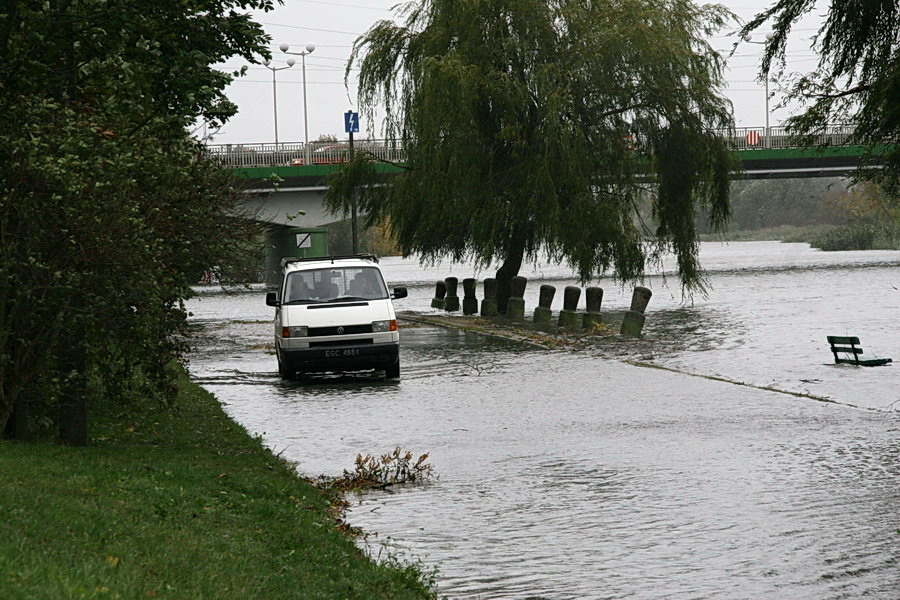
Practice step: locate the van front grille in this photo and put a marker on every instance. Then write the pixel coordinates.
(340, 330)
(341, 343)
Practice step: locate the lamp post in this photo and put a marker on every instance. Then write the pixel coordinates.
(308, 49)
(268, 64)
(749, 39)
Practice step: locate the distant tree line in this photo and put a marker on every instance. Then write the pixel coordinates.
(829, 213)
(108, 208)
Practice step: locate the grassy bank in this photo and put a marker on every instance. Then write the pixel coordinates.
(823, 237)
(784, 233)
(175, 505)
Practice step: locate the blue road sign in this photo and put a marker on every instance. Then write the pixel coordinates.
(351, 122)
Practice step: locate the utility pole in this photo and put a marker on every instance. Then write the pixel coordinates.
(353, 224)
(351, 126)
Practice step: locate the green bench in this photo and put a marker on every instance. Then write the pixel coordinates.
(850, 346)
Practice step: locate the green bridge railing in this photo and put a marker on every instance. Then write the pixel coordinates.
(241, 156)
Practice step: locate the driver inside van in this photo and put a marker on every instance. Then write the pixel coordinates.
(362, 287)
(326, 289)
(298, 289)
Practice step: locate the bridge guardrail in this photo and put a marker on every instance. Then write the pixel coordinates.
(335, 152)
(293, 154)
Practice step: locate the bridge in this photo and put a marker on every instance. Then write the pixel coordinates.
(282, 186)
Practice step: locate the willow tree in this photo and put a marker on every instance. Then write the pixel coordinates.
(529, 126)
(856, 80)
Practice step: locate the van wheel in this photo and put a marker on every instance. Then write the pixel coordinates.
(393, 371)
(284, 373)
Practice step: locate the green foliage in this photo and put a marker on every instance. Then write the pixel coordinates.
(859, 236)
(107, 207)
(873, 221)
(822, 212)
(176, 504)
(853, 237)
(768, 203)
(857, 79)
(520, 120)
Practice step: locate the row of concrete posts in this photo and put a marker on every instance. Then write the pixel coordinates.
(446, 298)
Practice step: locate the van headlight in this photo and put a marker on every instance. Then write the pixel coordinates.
(382, 326)
(292, 332)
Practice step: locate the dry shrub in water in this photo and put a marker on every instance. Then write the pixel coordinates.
(371, 472)
(395, 467)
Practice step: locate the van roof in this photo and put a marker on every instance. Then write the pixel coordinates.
(295, 263)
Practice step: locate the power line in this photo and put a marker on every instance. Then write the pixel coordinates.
(289, 82)
(347, 5)
(311, 28)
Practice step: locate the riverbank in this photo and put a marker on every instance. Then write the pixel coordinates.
(860, 236)
(179, 503)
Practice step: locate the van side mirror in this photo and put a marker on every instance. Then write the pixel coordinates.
(399, 292)
(272, 299)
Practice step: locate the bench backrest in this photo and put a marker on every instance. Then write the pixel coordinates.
(847, 345)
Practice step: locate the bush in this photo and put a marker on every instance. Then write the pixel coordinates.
(861, 236)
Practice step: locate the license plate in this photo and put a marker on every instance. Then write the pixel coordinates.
(341, 352)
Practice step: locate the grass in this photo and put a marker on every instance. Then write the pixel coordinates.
(784, 233)
(176, 504)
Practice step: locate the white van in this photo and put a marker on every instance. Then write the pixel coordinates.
(334, 313)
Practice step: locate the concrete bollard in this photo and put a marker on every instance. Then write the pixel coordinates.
(640, 298)
(470, 302)
(439, 293)
(594, 298)
(451, 304)
(489, 304)
(568, 317)
(515, 306)
(633, 322)
(542, 314)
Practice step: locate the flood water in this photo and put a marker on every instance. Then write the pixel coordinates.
(568, 475)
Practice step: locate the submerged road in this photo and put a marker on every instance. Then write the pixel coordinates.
(567, 475)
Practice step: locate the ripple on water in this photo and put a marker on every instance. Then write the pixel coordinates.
(565, 476)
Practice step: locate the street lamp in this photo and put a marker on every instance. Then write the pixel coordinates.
(749, 39)
(302, 54)
(268, 64)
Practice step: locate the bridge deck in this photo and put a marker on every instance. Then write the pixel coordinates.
(777, 154)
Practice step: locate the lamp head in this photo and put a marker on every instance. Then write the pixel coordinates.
(283, 47)
(310, 47)
(290, 62)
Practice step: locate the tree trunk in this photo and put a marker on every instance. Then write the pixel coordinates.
(19, 419)
(7, 426)
(73, 401)
(14, 416)
(508, 270)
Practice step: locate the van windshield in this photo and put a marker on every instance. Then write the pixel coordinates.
(334, 284)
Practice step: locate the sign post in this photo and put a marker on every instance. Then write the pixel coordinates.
(351, 126)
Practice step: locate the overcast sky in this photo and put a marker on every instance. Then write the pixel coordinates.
(333, 26)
